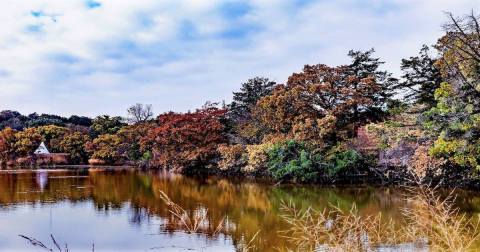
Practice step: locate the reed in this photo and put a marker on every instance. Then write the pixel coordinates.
(191, 222)
(336, 230)
(431, 220)
(439, 222)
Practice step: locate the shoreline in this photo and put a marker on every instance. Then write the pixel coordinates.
(363, 180)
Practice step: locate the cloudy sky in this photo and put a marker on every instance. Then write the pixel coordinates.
(92, 57)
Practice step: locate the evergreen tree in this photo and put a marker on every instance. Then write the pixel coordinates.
(421, 78)
(250, 92)
(363, 65)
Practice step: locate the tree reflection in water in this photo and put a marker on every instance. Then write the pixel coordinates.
(245, 207)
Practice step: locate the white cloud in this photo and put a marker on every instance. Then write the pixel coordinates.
(71, 59)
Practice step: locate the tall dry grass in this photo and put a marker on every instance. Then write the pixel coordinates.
(337, 230)
(439, 222)
(431, 220)
(191, 222)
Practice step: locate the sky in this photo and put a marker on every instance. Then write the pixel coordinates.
(94, 57)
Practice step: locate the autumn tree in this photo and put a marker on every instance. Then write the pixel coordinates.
(130, 137)
(460, 50)
(140, 113)
(455, 120)
(73, 143)
(421, 78)
(26, 141)
(7, 142)
(185, 142)
(52, 135)
(317, 100)
(105, 147)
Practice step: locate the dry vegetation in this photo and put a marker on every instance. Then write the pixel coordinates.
(337, 230)
(435, 219)
(431, 221)
(191, 222)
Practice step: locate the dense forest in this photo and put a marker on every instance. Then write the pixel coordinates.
(326, 124)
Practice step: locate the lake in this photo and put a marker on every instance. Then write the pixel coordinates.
(122, 209)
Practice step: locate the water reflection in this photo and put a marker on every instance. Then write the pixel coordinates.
(42, 179)
(123, 210)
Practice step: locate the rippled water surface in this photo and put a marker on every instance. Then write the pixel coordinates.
(121, 210)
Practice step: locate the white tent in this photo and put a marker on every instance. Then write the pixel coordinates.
(42, 149)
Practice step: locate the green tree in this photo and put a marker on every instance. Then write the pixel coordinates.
(106, 125)
(250, 92)
(363, 65)
(455, 120)
(421, 78)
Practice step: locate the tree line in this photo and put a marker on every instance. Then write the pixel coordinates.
(323, 123)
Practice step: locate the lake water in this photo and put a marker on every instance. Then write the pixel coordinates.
(122, 210)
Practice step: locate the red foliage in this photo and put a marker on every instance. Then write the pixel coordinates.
(184, 141)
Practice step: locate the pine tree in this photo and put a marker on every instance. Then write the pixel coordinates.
(421, 78)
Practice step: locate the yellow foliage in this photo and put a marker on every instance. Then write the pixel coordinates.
(232, 156)
(257, 157)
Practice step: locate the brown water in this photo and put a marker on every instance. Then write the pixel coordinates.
(122, 210)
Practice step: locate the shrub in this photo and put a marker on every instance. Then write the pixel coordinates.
(422, 162)
(232, 157)
(342, 160)
(292, 160)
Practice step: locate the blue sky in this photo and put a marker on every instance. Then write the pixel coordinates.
(92, 57)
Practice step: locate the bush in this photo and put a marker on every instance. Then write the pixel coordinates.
(232, 157)
(423, 163)
(291, 160)
(343, 160)
(257, 157)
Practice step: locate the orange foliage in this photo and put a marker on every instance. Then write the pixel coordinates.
(319, 104)
(7, 139)
(183, 141)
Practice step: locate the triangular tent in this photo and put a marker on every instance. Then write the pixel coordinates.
(42, 149)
